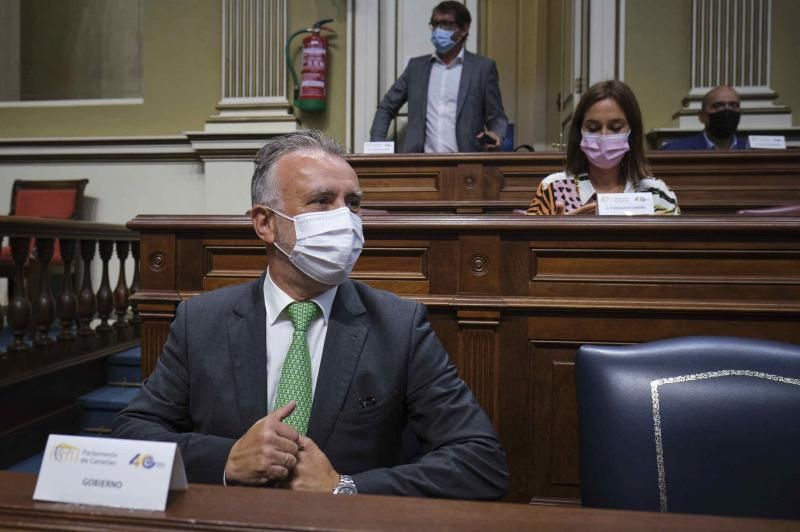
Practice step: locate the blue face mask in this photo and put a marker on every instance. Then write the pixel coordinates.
(443, 40)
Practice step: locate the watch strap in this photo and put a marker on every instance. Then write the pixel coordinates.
(346, 486)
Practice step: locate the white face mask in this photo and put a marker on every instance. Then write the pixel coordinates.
(327, 244)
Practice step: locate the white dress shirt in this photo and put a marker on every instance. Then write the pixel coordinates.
(279, 334)
(440, 116)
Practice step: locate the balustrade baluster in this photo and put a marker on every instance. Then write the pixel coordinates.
(19, 308)
(105, 299)
(44, 309)
(135, 284)
(121, 292)
(67, 301)
(87, 305)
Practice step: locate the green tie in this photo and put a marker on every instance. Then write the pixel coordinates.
(295, 382)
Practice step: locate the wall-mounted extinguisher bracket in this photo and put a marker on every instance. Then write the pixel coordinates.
(310, 90)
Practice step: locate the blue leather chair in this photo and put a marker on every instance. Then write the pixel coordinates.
(697, 424)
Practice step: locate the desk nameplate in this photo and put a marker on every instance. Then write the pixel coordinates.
(109, 472)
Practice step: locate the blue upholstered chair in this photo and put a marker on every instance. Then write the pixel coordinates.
(695, 425)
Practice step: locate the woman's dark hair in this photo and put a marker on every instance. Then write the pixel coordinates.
(634, 165)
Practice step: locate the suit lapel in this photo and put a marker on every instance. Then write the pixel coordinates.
(426, 76)
(247, 340)
(343, 344)
(466, 78)
(417, 128)
(422, 102)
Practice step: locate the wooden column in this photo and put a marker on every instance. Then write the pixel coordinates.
(105, 300)
(87, 303)
(135, 283)
(67, 301)
(121, 292)
(44, 306)
(19, 308)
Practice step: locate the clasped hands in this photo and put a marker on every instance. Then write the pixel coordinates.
(273, 452)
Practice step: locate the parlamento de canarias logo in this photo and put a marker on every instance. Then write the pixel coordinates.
(64, 452)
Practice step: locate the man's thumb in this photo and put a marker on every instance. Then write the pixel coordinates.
(285, 411)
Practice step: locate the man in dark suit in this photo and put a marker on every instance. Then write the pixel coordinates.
(454, 102)
(720, 114)
(305, 379)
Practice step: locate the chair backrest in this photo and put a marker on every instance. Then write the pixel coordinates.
(783, 210)
(695, 425)
(48, 199)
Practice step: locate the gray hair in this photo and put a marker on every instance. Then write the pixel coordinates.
(263, 187)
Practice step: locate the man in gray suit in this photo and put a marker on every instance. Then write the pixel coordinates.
(305, 379)
(454, 102)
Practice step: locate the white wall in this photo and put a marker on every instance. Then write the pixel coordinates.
(117, 192)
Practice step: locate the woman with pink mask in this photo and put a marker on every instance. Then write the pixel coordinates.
(605, 154)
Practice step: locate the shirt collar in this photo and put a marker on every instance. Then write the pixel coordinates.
(711, 146)
(458, 60)
(276, 300)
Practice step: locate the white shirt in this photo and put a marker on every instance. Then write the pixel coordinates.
(279, 334)
(440, 116)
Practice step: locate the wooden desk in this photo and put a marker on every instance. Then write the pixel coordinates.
(210, 508)
(513, 297)
(705, 182)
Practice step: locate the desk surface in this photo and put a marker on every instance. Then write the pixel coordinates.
(205, 507)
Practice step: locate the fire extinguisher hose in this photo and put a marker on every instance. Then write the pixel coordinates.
(289, 61)
(316, 28)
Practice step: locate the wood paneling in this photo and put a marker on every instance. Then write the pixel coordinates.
(554, 468)
(705, 182)
(513, 297)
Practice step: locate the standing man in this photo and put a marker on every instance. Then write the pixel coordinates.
(305, 379)
(454, 102)
(720, 115)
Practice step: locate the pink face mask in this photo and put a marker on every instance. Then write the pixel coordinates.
(605, 151)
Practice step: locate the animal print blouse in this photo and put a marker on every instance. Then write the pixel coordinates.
(563, 187)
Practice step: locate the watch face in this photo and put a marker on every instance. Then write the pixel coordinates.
(345, 490)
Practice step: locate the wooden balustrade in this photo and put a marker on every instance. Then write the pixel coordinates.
(34, 314)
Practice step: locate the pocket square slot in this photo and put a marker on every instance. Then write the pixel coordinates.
(366, 402)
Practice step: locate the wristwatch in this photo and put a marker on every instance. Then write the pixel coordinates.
(346, 486)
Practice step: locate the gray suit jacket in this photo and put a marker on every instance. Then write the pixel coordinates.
(210, 386)
(479, 104)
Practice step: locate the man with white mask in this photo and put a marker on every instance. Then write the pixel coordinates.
(454, 101)
(305, 379)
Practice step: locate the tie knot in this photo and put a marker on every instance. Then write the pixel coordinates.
(301, 313)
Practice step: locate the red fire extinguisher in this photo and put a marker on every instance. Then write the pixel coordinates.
(310, 90)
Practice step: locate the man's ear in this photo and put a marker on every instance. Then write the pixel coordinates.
(702, 116)
(262, 223)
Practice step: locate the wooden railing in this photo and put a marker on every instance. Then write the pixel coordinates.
(34, 310)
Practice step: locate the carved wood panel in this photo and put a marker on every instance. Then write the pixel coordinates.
(154, 334)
